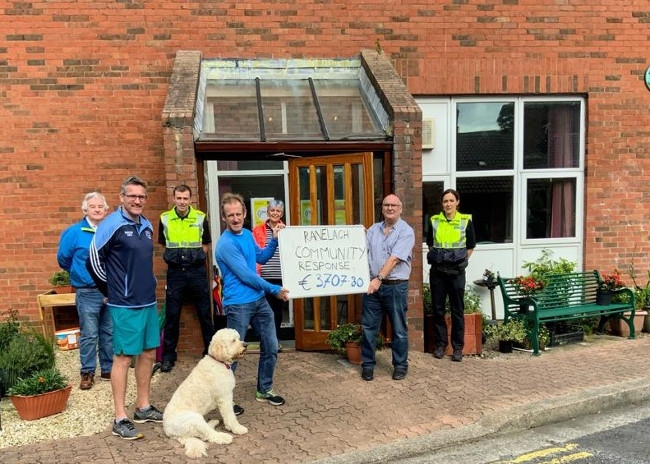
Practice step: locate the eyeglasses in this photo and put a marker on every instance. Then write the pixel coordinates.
(136, 197)
(391, 205)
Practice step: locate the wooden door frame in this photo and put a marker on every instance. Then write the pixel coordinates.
(315, 340)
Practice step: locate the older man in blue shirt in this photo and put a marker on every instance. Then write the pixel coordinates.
(390, 248)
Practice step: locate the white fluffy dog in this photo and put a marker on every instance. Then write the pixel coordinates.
(209, 386)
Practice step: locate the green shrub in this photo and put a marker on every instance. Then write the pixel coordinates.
(27, 352)
(39, 382)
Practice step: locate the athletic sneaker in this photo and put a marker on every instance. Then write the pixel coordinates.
(151, 414)
(238, 410)
(126, 430)
(270, 397)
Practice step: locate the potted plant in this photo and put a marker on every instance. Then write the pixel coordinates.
(608, 283)
(346, 339)
(41, 394)
(507, 333)
(60, 280)
(22, 352)
(474, 322)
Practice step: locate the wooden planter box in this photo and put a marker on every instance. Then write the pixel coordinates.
(473, 334)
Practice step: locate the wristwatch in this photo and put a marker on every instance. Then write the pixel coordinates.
(380, 278)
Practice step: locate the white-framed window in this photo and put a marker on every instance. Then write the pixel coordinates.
(518, 164)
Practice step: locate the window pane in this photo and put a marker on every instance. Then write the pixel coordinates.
(551, 135)
(431, 205)
(551, 208)
(490, 202)
(484, 136)
(243, 165)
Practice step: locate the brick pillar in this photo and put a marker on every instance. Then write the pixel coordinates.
(181, 164)
(406, 171)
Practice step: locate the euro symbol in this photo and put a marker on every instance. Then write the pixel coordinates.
(303, 283)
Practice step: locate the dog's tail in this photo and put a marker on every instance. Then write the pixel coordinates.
(194, 447)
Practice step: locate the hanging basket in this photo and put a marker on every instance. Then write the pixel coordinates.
(43, 405)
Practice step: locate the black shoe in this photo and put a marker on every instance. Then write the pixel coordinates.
(457, 356)
(439, 352)
(166, 366)
(399, 374)
(367, 374)
(238, 410)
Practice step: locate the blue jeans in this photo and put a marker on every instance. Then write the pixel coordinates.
(96, 331)
(391, 299)
(260, 317)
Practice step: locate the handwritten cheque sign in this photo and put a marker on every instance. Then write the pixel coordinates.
(324, 260)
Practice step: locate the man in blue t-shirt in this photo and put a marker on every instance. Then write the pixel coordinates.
(244, 290)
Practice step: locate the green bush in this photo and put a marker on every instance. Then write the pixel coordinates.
(345, 333)
(514, 331)
(39, 382)
(472, 301)
(26, 352)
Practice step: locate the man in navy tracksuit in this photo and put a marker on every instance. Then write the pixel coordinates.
(121, 263)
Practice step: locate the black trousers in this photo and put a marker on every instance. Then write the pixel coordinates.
(186, 284)
(277, 305)
(452, 286)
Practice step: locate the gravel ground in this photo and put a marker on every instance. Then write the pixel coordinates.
(88, 411)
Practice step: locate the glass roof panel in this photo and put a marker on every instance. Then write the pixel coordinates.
(230, 103)
(231, 110)
(344, 111)
(289, 110)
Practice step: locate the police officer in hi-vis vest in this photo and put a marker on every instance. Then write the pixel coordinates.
(184, 233)
(451, 241)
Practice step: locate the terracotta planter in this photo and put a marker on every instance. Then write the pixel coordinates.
(63, 289)
(473, 342)
(43, 405)
(473, 334)
(620, 328)
(646, 321)
(353, 352)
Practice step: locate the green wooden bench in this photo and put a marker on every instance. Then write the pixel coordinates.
(564, 297)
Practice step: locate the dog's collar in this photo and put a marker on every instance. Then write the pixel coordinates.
(225, 364)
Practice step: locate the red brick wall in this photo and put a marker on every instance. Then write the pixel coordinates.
(83, 85)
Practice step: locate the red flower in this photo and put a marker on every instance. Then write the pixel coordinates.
(527, 285)
(611, 281)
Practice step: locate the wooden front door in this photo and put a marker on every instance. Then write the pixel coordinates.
(330, 190)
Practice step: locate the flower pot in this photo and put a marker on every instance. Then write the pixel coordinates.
(620, 327)
(603, 297)
(473, 338)
(353, 352)
(43, 405)
(505, 346)
(646, 321)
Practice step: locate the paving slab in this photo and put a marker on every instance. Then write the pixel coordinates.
(333, 416)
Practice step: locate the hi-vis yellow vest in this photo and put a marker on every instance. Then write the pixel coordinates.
(449, 238)
(183, 233)
(183, 237)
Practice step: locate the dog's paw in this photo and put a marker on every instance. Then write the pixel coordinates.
(220, 438)
(239, 429)
(213, 423)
